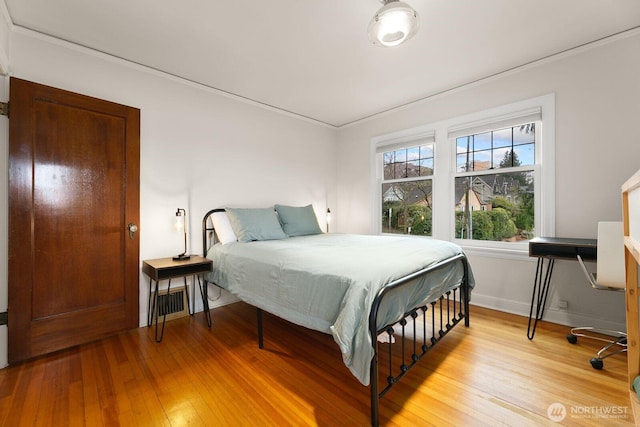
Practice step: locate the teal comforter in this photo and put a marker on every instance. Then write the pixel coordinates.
(328, 282)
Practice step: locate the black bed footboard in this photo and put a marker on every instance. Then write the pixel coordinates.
(418, 331)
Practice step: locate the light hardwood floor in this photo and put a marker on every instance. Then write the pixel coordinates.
(488, 374)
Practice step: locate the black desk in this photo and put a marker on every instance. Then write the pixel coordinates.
(552, 248)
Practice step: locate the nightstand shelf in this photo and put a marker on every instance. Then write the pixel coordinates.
(167, 269)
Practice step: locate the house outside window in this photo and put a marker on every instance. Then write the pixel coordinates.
(495, 184)
(407, 189)
(484, 180)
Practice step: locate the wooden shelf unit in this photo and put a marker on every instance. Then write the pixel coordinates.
(631, 218)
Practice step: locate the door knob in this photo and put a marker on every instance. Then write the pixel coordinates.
(132, 230)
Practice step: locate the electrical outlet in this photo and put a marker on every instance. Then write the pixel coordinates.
(563, 304)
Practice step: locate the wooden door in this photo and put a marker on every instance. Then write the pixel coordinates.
(74, 165)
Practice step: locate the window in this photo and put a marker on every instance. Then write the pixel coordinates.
(495, 184)
(407, 190)
(484, 180)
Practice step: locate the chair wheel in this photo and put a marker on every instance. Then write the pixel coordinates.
(572, 338)
(596, 363)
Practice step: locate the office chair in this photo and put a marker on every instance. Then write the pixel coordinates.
(609, 276)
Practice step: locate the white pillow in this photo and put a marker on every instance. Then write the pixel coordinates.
(223, 228)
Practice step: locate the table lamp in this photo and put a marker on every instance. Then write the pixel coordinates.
(181, 225)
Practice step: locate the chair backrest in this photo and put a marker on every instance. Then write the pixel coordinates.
(610, 263)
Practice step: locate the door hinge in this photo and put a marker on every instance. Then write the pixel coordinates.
(4, 109)
(4, 318)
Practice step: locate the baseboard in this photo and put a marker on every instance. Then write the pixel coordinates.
(224, 298)
(561, 317)
(219, 298)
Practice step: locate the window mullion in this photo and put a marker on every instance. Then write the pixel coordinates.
(495, 171)
(493, 166)
(417, 178)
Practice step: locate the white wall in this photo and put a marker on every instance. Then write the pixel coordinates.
(199, 149)
(597, 148)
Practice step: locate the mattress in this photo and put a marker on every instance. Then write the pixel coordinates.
(327, 282)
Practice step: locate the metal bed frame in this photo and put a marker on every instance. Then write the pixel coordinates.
(445, 313)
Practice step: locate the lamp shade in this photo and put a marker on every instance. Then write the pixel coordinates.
(393, 24)
(179, 224)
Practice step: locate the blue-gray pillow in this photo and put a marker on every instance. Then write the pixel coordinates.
(298, 221)
(255, 224)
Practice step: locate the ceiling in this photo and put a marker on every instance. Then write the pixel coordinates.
(312, 58)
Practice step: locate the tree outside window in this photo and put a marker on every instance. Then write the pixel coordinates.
(407, 193)
(491, 202)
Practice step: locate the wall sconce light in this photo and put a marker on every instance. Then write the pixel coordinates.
(181, 225)
(328, 218)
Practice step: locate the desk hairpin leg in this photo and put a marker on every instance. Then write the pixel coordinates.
(165, 311)
(540, 293)
(186, 291)
(204, 292)
(149, 308)
(153, 305)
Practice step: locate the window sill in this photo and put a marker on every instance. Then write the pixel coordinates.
(519, 251)
(520, 254)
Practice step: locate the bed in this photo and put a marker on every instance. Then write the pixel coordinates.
(368, 292)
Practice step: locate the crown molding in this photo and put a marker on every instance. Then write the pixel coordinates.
(158, 72)
(511, 71)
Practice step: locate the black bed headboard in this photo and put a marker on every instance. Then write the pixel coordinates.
(208, 231)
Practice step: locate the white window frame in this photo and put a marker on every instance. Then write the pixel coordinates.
(445, 170)
(380, 145)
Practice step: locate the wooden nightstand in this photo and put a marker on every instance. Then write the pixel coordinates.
(167, 269)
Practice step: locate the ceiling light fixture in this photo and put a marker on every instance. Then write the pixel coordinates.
(395, 23)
